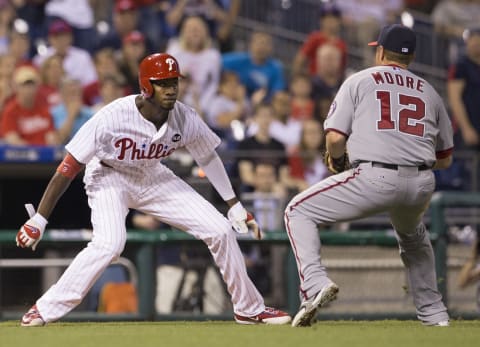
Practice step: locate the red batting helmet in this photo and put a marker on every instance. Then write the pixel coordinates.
(156, 66)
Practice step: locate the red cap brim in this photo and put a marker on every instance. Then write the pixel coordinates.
(373, 43)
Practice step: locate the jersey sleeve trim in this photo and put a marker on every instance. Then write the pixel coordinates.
(444, 154)
(336, 130)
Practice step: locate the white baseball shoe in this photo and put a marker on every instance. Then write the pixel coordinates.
(32, 318)
(443, 323)
(268, 316)
(308, 309)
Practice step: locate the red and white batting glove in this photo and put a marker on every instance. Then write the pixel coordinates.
(31, 232)
(243, 221)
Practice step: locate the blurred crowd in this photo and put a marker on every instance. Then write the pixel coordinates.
(61, 60)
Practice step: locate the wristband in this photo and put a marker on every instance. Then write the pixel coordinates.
(39, 220)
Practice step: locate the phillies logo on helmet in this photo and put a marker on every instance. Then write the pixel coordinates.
(170, 63)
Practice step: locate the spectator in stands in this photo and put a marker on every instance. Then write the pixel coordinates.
(450, 18)
(219, 16)
(470, 272)
(284, 128)
(267, 202)
(7, 66)
(228, 109)
(72, 113)
(112, 87)
(25, 118)
(464, 90)
(306, 163)
(261, 148)
(7, 14)
(51, 75)
(330, 19)
(77, 62)
(133, 51)
(19, 42)
(362, 21)
(327, 80)
(125, 19)
(79, 15)
(153, 24)
(257, 68)
(199, 59)
(302, 105)
(268, 199)
(106, 65)
(33, 13)
(225, 28)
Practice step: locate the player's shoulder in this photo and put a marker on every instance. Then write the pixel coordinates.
(118, 107)
(184, 111)
(183, 108)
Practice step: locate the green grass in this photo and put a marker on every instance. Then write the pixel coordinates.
(389, 333)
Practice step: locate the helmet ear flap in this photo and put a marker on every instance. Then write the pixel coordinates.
(146, 88)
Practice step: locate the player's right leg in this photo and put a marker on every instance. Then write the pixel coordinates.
(108, 219)
(352, 194)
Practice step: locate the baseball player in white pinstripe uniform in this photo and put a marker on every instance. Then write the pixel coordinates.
(396, 130)
(122, 147)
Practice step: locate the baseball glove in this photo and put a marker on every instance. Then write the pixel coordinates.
(336, 165)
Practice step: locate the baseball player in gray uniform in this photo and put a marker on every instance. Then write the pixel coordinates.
(122, 146)
(392, 129)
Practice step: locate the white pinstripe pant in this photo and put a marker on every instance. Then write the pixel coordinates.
(174, 202)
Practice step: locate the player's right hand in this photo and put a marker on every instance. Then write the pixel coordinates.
(243, 221)
(32, 231)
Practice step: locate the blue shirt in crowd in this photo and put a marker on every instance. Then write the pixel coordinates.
(269, 75)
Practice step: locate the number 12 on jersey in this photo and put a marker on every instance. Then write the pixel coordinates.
(408, 118)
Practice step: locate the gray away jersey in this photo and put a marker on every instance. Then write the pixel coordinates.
(390, 115)
(119, 136)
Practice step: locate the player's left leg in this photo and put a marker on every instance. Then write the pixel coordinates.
(182, 207)
(416, 250)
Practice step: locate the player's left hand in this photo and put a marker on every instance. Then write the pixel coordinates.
(336, 165)
(243, 221)
(31, 232)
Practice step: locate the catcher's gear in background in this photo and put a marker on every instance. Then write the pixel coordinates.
(336, 165)
(243, 221)
(155, 67)
(31, 232)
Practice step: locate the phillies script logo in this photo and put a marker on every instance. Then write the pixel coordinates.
(129, 150)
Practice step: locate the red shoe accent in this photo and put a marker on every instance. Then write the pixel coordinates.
(32, 318)
(268, 316)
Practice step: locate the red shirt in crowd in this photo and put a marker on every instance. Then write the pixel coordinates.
(32, 125)
(317, 39)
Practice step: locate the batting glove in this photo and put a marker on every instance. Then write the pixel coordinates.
(243, 221)
(31, 232)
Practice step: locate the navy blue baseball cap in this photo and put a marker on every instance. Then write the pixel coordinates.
(329, 9)
(397, 38)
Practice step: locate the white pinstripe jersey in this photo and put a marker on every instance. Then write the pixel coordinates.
(119, 136)
(392, 116)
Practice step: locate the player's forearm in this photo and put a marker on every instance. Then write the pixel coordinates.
(217, 175)
(335, 143)
(55, 189)
(443, 163)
